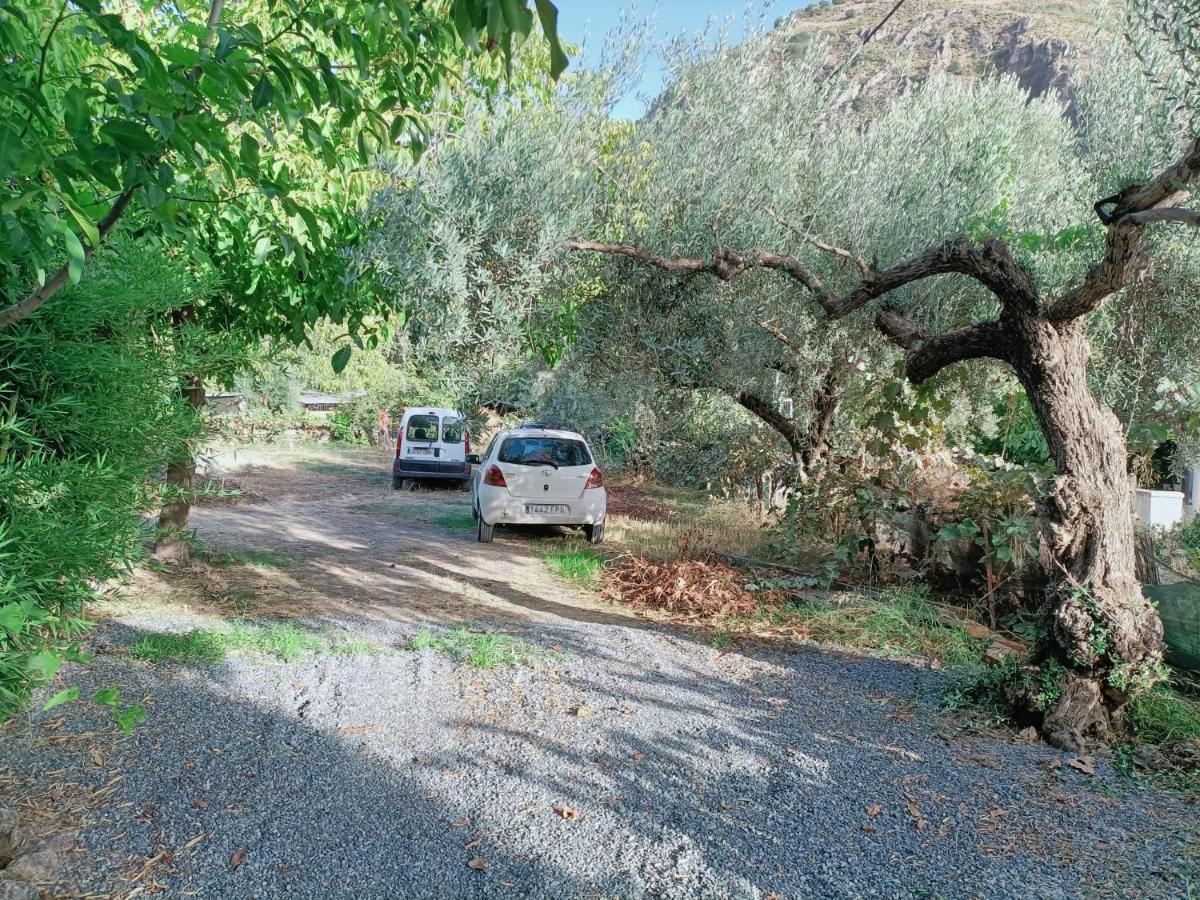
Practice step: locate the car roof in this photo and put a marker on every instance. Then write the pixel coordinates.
(431, 410)
(543, 432)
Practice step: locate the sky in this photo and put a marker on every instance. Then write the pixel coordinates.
(587, 21)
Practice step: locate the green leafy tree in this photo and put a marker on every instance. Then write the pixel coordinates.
(110, 110)
(246, 134)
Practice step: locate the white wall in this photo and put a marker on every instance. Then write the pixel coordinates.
(1160, 509)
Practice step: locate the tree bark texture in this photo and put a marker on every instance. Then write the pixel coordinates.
(173, 543)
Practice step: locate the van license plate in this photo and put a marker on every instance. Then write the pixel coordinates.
(546, 509)
(421, 450)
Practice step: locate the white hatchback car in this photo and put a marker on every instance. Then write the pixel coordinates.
(538, 476)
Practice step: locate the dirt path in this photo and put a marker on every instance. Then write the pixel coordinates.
(621, 760)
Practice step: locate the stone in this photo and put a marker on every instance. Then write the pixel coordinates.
(9, 831)
(40, 865)
(18, 890)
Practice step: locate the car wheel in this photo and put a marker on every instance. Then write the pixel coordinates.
(595, 533)
(397, 483)
(464, 486)
(485, 532)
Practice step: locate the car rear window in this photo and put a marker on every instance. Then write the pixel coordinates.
(452, 430)
(540, 451)
(422, 428)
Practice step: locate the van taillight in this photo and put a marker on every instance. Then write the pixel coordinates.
(467, 443)
(494, 477)
(595, 480)
(399, 442)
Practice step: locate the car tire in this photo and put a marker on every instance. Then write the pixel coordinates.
(464, 486)
(595, 533)
(485, 532)
(397, 483)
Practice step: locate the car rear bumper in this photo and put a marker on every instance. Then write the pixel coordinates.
(499, 508)
(452, 471)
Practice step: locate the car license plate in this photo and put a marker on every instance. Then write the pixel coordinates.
(423, 450)
(547, 509)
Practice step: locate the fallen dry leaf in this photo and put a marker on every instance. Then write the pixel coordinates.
(356, 729)
(569, 813)
(473, 843)
(478, 863)
(637, 757)
(582, 711)
(194, 841)
(874, 810)
(461, 823)
(1083, 764)
(917, 816)
(200, 804)
(239, 857)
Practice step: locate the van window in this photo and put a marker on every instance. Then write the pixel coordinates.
(540, 451)
(422, 428)
(452, 430)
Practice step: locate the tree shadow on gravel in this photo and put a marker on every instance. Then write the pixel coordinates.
(220, 797)
(630, 766)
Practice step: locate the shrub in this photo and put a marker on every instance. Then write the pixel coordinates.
(91, 412)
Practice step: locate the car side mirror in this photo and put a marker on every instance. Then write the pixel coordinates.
(473, 458)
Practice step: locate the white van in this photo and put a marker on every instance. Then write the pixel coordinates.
(433, 444)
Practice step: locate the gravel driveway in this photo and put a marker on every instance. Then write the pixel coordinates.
(626, 761)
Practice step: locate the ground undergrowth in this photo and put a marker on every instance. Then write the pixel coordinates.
(691, 582)
(479, 648)
(282, 640)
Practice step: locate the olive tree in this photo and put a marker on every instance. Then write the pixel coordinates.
(862, 221)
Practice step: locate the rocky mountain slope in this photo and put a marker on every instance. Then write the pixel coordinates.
(1034, 42)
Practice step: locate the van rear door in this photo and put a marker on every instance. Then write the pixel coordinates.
(420, 441)
(453, 445)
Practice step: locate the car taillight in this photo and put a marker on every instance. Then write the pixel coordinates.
(399, 442)
(467, 442)
(595, 480)
(494, 477)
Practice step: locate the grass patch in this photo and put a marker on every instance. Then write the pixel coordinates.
(902, 622)
(258, 559)
(1163, 715)
(282, 640)
(456, 520)
(721, 639)
(576, 563)
(479, 649)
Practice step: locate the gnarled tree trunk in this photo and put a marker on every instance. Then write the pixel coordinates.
(1103, 633)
